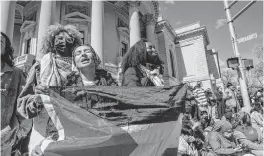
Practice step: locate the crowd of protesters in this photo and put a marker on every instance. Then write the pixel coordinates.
(215, 123)
(66, 62)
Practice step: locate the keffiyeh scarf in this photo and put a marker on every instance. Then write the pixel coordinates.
(54, 70)
(154, 75)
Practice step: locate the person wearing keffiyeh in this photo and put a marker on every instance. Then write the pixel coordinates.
(51, 71)
(142, 66)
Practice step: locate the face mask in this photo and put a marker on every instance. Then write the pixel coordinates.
(62, 41)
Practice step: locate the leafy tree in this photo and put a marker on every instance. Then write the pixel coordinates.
(229, 76)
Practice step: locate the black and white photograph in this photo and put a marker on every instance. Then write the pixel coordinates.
(132, 78)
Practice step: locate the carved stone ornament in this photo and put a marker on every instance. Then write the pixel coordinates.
(149, 19)
(32, 7)
(28, 26)
(79, 8)
(123, 30)
(76, 16)
(133, 4)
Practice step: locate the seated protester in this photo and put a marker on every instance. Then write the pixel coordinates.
(12, 80)
(228, 115)
(242, 122)
(218, 140)
(186, 142)
(142, 66)
(205, 120)
(257, 118)
(86, 71)
(244, 134)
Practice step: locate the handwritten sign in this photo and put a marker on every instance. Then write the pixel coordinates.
(247, 38)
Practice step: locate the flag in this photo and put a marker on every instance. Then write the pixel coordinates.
(111, 121)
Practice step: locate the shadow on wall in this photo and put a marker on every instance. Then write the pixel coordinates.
(180, 63)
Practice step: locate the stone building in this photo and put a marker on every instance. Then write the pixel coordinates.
(186, 54)
(111, 27)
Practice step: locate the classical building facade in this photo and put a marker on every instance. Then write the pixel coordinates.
(186, 55)
(112, 27)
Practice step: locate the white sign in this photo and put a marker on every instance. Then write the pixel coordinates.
(247, 38)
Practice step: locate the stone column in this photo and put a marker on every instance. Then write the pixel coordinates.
(134, 24)
(150, 28)
(55, 12)
(8, 18)
(44, 22)
(97, 29)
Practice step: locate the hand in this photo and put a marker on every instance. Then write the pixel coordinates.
(37, 151)
(42, 89)
(238, 149)
(35, 106)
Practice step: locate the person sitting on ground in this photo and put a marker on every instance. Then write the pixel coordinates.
(228, 115)
(257, 118)
(218, 139)
(186, 142)
(245, 134)
(142, 66)
(242, 122)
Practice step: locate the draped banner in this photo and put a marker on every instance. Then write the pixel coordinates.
(111, 121)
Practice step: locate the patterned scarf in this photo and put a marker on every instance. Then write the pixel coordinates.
(154, 75)
(54, 70)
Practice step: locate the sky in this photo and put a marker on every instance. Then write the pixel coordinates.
(212, 15)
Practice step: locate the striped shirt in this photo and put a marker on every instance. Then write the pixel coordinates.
(201, 98)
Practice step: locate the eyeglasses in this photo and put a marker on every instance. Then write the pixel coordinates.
(65, 37)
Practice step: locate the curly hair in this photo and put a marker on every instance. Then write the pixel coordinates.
(7, 57)
(53, 30)
(137, 55)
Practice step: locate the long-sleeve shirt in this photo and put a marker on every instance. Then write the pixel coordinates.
(242, 139)
(256, 119)
(220, 145)
(12, 81)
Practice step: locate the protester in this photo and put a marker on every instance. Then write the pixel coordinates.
(186, 142)
(199, 92)
(86, 62)
(12, 80)
(142, 66)
(257, 119)
(51, 71)
(242, 122)
(221, 106)
(218, 139)
(191, 104)
(244, 133)
(231, 99)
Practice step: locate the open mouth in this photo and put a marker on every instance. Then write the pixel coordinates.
(85, 60)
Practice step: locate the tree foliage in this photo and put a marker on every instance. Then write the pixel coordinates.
(229, 76)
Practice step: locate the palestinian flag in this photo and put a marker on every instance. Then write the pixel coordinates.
(111, 121)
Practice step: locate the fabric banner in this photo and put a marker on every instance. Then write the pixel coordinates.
(111, 121)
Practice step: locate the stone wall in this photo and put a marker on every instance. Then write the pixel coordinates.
(16, 40)
(163, 55)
